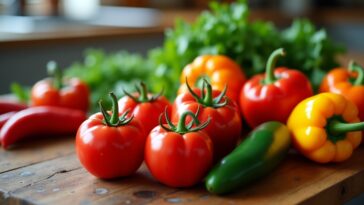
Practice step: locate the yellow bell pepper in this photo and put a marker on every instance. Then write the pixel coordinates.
(325, 128)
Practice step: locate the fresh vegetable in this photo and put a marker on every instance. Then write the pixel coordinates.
(9, 106)
(42, 120)
(57, 91)
(220, 71)
(347, 82)
(110, 146)
(179, 155)
(5, 117)
(225, 127)
(325, 128)
(261, 152)
(273, 95)
(144, 106)
(227, 30)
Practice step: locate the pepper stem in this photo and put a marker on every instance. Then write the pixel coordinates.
(354, 67)
(56, 73)
(338, 127)
(114, 120)
(272, 60)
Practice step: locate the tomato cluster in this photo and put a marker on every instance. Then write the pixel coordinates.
(202, 126)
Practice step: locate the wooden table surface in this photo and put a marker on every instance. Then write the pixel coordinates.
(47, 171)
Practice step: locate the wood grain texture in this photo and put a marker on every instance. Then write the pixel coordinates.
(62, 180)
(34, 151)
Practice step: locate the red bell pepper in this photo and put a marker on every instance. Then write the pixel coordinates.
(179, 156)
(110, 146)
(42, 120)
(60, 92)
(144, 106)
(8, 106)
(225, 127)
(273, 95)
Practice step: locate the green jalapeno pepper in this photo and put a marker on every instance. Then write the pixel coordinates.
(263, 149)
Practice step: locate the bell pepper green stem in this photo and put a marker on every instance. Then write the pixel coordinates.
(56, 73)
(272, 60)
(354, 67)
(338, 127)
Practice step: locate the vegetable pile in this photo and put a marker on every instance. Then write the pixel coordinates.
(231, 72)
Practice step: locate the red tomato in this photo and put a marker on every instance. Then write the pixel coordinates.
(178, 159)
(109, 150)
(144, 107)
(69, 93)
(225, 127)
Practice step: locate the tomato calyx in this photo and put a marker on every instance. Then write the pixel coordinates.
(56, 74)
(181, 126)
(142, 89)
(354, 67)
(206, 98)
(114, 120)
(269, 70)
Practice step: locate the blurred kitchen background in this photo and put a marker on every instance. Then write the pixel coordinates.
(32, 32)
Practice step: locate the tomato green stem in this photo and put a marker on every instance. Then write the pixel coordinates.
(354, 67)
(206, 98)
(115, 109)
(181, 127)
(56, 73)
(269, 70)
(143, 93)
(114, 120)
(142, 89)
(338, 127)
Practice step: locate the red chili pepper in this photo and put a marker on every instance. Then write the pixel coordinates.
(60, 92)
(273, 95)
(42, 120)
(8, 106)
(179, 156)
(110, 146)
(5, 117)
(144, 106)
(225, 127)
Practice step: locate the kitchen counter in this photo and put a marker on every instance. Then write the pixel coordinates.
(47, 171)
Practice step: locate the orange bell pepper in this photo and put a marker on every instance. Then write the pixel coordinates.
(219, 70)
(325, 128)
(348, 82)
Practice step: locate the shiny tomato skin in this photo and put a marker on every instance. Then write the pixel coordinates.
(74, 94)
(145, 112)
(225, 125)
(178, 160)
(109, 152)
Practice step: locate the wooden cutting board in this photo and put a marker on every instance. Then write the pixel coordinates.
(47, 171)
